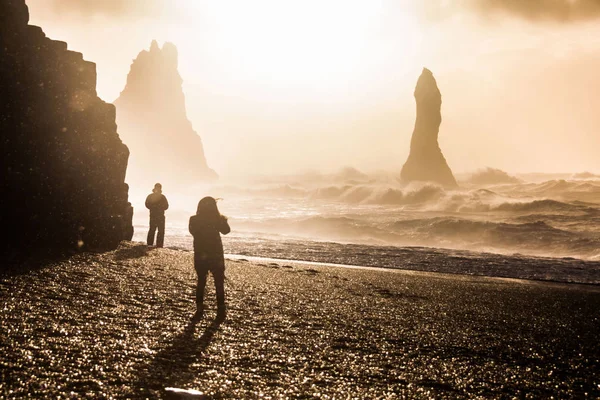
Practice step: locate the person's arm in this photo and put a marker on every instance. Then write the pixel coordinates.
(165, 203)
(224, 225)
(148, 202)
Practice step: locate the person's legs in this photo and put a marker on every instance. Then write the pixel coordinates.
(151, 231)
(219, 275)
(201, 271)
(160, 238)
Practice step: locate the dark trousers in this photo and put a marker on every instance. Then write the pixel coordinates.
(217, 269)
(156, 222)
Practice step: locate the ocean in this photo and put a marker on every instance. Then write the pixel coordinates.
(535, 226)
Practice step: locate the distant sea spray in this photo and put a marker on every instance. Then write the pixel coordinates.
(556, 217)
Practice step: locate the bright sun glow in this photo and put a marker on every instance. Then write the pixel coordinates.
(311, 45)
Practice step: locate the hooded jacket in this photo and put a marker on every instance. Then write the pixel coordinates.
(207, 238)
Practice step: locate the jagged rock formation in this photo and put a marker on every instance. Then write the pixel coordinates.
(152, 120)
(63, 162)
(426, 161)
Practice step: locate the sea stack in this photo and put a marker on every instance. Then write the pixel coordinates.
(426, 161)
(63, 162)
(152, 119)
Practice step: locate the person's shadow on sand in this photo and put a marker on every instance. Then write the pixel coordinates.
(129, 252)
(171, 366)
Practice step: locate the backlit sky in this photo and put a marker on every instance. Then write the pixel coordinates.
(278, 86)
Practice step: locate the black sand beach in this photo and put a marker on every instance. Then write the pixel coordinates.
(117, 325)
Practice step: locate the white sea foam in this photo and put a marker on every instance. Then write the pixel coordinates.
(553, 218)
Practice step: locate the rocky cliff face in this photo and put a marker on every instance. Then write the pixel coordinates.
(152, 120)
(426, 161)
(63, 162)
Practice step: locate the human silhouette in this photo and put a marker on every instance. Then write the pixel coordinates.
(157, 203)
(206, 228)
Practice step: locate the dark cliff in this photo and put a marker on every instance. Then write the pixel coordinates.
(426, 161)
(152, 119)
(63, 161)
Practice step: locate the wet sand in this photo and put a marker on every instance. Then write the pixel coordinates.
(118, 325)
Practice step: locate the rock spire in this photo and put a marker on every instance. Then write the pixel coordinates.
(426, 161)
(152, 119)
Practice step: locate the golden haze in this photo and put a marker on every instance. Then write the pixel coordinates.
(289, 86)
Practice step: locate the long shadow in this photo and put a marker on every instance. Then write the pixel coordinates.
(18, 264)
(126, 253)
(171, 366)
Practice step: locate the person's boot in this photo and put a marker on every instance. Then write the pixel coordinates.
(199, 313)
(221, 310)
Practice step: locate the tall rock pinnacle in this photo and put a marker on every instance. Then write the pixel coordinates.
(152, 120)
(63, 162)
(426, 161)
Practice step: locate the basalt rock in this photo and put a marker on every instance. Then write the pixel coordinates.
(63, 162)
(426, 161)
(152, 119)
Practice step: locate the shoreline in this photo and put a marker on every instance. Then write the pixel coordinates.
(590, 286)
(474, 259)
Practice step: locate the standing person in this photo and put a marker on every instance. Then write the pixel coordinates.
(206, 227)
(157, 203)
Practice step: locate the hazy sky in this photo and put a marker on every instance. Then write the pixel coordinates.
(280, 86)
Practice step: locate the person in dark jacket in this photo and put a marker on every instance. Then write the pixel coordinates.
(157, 203)
(206, 228)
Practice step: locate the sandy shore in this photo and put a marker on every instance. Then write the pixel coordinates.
(118, 325)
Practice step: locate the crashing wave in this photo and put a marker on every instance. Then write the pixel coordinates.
(491, 176)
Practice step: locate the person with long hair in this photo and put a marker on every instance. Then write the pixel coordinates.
(206, 227)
